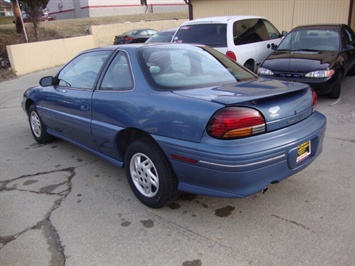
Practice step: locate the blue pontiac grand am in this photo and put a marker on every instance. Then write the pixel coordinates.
(179, 118)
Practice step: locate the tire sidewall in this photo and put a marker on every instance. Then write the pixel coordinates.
(335, 93)
(167, 186)
(44, 136)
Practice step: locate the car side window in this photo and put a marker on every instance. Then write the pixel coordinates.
(347, 36)
(118, 76)
(212, 34)
(83, 70)
(272, 31)
(249, 31)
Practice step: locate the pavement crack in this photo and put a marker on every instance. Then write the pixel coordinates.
(48, 183)
(292, 222)
(342, 139)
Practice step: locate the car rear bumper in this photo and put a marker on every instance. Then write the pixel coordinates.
(239, 168)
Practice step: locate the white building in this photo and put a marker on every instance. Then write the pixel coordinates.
(66, 9)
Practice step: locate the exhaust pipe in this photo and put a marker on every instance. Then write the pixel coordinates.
(264, 190)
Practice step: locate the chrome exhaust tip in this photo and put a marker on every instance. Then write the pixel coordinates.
(264, 190)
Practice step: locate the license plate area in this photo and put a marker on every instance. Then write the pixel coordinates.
(303, 151)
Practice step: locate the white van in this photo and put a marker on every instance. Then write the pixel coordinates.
(246, 39)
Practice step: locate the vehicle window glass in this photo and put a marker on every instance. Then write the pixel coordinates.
(118, 76)
(311, 39)
(271, 30)
(249, 31)
(186, 68)
(214, 35)
(83, 70)
(347, 36)
(150, 32)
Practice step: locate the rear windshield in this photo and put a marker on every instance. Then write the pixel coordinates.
(214, 35)
(176, 67)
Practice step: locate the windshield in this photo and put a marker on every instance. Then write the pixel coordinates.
(214, 35)
(185, 67)
(311, 40)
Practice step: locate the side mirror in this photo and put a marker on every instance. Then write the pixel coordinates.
(283, 33)
(272, 46)
(46, 81)
(348, 47)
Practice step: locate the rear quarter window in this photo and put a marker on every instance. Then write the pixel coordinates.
(214, 35)
(249, 31)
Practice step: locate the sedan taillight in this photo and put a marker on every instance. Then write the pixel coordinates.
(127, 38)
(314, 99)
(236, 122)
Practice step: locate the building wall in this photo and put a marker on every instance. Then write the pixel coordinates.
(53, 53)
(64, 9)
(352, 22)
(5, 9)
(285, 14)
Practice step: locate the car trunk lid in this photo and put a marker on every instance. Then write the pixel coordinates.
(281, 103)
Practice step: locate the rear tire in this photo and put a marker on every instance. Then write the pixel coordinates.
(149, 174)
(249, 65)
(38, 128)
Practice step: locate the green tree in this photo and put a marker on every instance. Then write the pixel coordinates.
(34, 10)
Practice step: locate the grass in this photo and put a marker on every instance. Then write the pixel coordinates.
(59, 29)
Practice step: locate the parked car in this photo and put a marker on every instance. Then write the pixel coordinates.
(179, 118)
(162, 36)
(44, 17)
(319, 55)
(245, 39)
(134, 36)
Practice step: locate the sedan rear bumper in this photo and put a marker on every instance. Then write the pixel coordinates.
(239, 168)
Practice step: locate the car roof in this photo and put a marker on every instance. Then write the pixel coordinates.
(133, 46)
(220, 19)
(168, 30)
(319, 26)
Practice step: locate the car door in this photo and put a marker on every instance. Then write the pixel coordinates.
(112, 106)
(268, 35)
(348, 50)
(67, 106)
(243, 40)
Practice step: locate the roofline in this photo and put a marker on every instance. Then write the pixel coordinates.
(223, 18)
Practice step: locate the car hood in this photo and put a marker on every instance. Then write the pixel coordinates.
(281, 103)
(300, 61)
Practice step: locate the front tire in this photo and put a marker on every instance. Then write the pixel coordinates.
(149, 174)
(335, 93)
(38, 128)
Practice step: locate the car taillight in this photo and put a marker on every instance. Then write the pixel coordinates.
(231, 55)
(236, 122)
(127, 38)
(314, 99)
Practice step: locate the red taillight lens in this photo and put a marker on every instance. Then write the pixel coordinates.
(231, 55)
(314, 99)
(127, 38)
(236, 122)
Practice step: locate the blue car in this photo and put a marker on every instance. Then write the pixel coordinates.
(179, 118)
